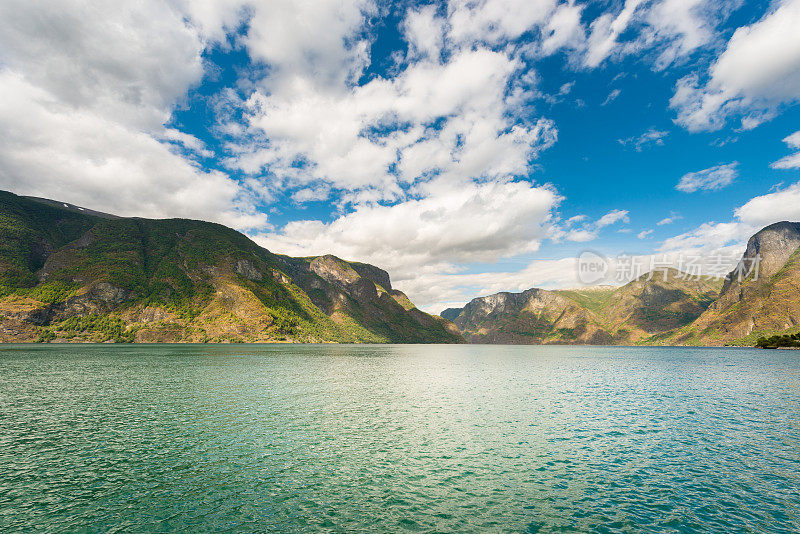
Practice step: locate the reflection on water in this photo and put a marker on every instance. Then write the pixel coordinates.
(286, 438)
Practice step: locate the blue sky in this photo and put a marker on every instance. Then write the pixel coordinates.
(467, 147)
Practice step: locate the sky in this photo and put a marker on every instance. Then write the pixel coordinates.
(467, 147)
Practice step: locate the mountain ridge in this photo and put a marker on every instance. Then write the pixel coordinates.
(71, 274)
(759, 298)
(649, 305)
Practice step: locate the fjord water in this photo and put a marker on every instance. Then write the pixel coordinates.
(282, 438)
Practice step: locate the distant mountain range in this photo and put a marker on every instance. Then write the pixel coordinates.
(72, 274)
(665, 308)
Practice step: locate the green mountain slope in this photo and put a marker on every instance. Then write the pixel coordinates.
(70, 274)
(635, 313)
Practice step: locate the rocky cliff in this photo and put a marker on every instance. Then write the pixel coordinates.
(70, 274)
(761, 297)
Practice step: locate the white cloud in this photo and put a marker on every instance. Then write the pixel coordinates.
(424, 31)
(589, 231)
(612, 217)
(759, 70)
(378, 137)
(605, 30)
(683, 25)
(708, 236)
(581, 235)
(86, 89)
(793, 140)
(644, 233)
(476, 222)
(710, 179)
(792, 161)
(782, 205)
(611, 97)
(52, 150)
(308, 41)
(650, 137)
(563, 29)
(494, 21)
(669, 220)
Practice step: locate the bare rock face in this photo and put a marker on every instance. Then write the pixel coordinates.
(334, 271)
(152, 314)
(771, 248)
(341, 274)
(107, 294)
(248, 270)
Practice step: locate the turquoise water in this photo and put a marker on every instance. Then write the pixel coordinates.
(278, 438)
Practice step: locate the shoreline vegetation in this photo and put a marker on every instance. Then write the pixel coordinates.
(785, 341)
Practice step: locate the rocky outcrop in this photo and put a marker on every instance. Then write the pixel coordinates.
(376, 275)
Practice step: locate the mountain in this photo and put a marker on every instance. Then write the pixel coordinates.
(72, 274)
(651, 305)
(761, 297)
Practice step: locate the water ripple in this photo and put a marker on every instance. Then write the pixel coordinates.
(398, 439)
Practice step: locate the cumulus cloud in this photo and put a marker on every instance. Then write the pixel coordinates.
(710, 179)
(563, 30)
(129, 63)
(758, 71)
(475, 222)
(493, 21)
(50, 149)
(85, 91)
(644, 234)
(317, 37)
(424, 32)
(380, 136)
